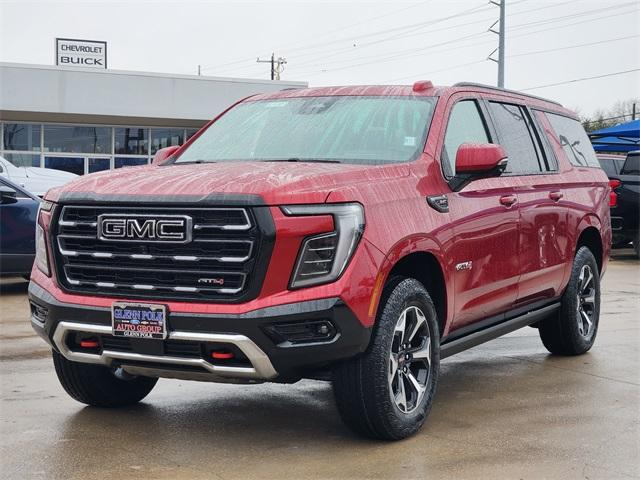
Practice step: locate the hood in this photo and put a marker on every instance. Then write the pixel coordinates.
(276, 183)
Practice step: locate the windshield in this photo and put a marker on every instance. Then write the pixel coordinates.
(348, 129)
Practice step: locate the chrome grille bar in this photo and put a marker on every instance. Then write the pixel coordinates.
(215, 263)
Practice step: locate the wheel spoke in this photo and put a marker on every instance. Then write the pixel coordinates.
(419, 321)
(413, 381)
(587, 277)
(424, 352)
(401, 394)
(393, 366)
(590, 297)
(586, 320)
(401, 326)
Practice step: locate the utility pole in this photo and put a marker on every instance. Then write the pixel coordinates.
(277, 65)
(198, 70)
(501, 40)
(633, 112)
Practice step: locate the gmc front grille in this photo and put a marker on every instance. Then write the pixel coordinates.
(224, 259)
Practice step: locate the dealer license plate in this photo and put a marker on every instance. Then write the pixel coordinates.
(139, 320)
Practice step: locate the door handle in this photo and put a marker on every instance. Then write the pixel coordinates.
(508, 200)
(556, 196)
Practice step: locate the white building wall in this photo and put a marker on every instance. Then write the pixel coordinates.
(114, 93)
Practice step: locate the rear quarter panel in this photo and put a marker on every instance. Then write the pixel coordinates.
(586, 195)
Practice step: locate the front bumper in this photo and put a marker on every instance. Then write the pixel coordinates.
(260, 355)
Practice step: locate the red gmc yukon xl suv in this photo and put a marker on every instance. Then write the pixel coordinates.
(357, 234)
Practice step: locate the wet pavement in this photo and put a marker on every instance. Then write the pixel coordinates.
(505, 409)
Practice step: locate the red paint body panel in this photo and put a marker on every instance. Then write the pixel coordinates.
(519, 253)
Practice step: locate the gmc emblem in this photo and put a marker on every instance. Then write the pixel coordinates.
(144, 228)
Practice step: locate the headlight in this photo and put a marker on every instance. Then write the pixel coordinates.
(41, 251)
(323, 257)
(42, 258)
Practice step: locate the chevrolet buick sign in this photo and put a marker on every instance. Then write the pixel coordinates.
(81, 53)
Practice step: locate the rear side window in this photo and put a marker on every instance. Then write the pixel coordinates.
(518, 137)
(465, 126)
(610, 166)
(574, 140)
(631, 165)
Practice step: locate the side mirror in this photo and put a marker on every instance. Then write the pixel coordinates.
(7, 195)
(476, 161)
(164, 154)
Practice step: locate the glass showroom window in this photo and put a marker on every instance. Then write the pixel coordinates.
(68, 164)
(120, 162)
(98, 164)
(23, 159)
(165, 137)
(77, 139)
(21, 136)
(131, 141)
(190, 132)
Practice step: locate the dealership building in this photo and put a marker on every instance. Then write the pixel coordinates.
(84, 120)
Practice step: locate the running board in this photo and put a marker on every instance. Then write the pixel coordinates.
(483, 335)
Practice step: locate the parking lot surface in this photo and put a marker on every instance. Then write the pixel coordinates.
(506, 409)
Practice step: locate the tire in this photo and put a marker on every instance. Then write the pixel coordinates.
(636, 248)
(569, 332)
(364, 386)
(98, 386)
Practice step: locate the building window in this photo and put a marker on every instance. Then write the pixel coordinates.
(98, 164)
(68, 164)
(21, 136)
(191, 132)
(132, 141)
(23, 159)
(165, 137)
(120, 162)
(78, 139)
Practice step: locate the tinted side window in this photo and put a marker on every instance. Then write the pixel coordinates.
(631, 165)
(609, 167)
(516, 136)
(466, 125)
(574, 140)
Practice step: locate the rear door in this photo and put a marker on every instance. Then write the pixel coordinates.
(484, 251)
(532, 168)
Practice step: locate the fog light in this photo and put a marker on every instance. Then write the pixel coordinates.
(316, 331)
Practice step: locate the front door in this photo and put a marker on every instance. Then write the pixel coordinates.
(484, 252)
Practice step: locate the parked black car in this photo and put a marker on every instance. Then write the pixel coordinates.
(611, 163)
(625, 209)
(18, 214)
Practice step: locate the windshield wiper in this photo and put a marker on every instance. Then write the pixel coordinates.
(194, 161)
(310, 160)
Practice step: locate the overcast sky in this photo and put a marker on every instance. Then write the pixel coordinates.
(352, 42)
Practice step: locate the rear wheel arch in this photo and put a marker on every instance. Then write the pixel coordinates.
(591, 238)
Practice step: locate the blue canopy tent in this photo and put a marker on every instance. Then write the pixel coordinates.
(621, 138)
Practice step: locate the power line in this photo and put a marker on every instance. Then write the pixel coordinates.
(390, 58)
(569, 47)
(404, 53)
(388, 14)
(583, 79)
(410, 53)
(526, 34)
(414, 26)
(609, 118)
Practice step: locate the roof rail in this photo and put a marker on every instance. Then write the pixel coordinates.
(499, 89)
